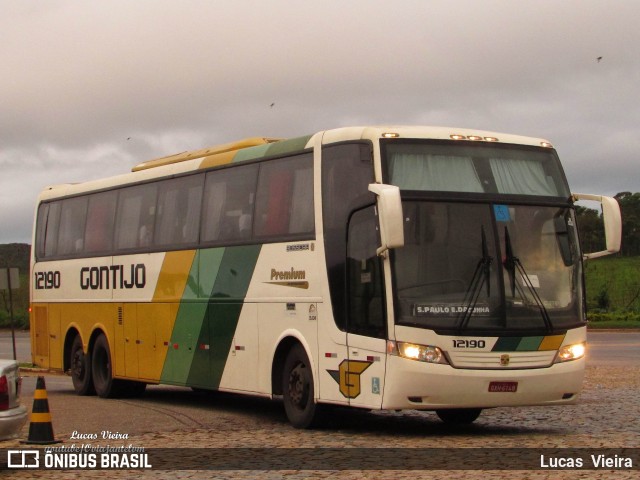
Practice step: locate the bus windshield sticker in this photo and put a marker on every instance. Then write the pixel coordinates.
(535, 281)
(502, 213)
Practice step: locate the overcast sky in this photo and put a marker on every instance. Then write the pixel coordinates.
(90, 88)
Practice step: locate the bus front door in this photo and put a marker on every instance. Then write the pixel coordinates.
(362, 375)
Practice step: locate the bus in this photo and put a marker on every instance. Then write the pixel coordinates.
(371, 267)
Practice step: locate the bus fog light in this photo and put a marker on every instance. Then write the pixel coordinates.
(571, 352)
(422, 353)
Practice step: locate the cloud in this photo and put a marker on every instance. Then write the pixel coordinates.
(91, 88)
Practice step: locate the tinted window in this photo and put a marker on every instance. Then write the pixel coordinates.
(101, 211)
(365, 277)
(41, 229)
(53, 222)
(284, 204)
(228, 204)
(136, 217)
(347, 171)
(72, 221)
(178, 211)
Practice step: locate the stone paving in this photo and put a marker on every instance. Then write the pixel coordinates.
(605, 417)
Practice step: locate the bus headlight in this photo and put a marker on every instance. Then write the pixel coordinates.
(571, 352)
(422, 353)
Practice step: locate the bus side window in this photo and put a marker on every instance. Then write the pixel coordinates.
(284, 199)
(347, 171)
(98, 236)
(47, 229)
(135, 217)
(228, 204)
(178, 211)
(71, 230)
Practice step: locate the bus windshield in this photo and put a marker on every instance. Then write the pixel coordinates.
(488, 263)
(474, 168)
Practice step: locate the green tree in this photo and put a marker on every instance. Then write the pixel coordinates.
(590, 229)
(630, 207)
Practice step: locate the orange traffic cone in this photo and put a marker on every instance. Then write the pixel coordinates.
(40, 428)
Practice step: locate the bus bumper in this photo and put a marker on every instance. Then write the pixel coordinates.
(422, 386)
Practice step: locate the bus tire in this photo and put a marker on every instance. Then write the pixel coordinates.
(297, 389)
(459, 416)
(101, 368)
(80, 366)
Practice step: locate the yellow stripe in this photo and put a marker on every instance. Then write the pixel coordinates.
(41, 417)
(551, 342)
(173, 276)
(40, 395)
(217, 159)
(205, 152)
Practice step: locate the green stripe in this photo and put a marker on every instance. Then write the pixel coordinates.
(517, 344)
(530, 344)
(210, 317)
(288, 146)
(251, 153)
(283, 147)
(506, 344)
(222, 323)
(230, 286)
(190, 316)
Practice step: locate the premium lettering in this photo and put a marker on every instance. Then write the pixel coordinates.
(287, 274)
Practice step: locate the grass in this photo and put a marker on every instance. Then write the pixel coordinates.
(613, 292)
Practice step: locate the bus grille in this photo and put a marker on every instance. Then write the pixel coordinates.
(502, 360)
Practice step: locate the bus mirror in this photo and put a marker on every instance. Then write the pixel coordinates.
(389, 215)
(612, 223)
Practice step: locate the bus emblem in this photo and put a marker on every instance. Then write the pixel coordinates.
(504, 360)
(348, 376)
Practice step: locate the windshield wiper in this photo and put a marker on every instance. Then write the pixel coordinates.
(482, 275)
(513, 263)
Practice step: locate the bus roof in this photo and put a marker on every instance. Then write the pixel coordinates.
(255, 148)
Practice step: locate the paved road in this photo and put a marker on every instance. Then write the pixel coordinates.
(170, 417)
(613, 348)
(605, 417)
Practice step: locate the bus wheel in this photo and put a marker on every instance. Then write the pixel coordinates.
(105, 385)
(80, 369)
(297, 389)
(459, 416)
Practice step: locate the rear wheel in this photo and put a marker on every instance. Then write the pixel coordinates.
(106, 386)
(297, 389)
(459, 416)
(80, 369)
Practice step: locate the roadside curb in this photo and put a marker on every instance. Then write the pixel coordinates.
(39, 371)
(618, 330)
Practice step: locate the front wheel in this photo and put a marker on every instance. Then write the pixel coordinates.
(80, 368)
(297, 389)
(459, 416)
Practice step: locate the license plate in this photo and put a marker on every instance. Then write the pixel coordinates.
(507, 387)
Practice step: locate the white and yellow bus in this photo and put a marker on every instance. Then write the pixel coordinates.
(379, 268)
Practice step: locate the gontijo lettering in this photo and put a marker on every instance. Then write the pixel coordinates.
(114, 276)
